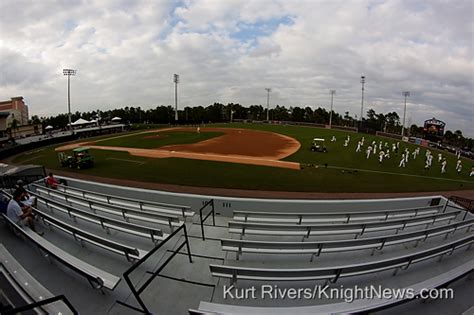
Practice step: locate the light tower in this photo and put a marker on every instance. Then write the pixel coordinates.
(69, 73)
(362, 80)
(176, 81)
(406, 94)
(268, 102)
(332, 92)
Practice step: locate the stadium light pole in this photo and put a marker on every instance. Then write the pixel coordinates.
(176, 81)
(69, 73)
(268, 102)
(332, 92)
(362, 80)
(406, 94)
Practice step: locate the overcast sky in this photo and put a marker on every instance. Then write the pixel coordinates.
(127, 51)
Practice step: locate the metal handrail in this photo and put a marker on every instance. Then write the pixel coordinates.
(137, 291)
(202, 220)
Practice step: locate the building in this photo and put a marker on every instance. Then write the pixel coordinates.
(3, 124)
(17, 109)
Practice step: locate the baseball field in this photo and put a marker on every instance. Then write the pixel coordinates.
(260, 156)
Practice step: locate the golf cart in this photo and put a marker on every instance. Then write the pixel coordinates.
(318, 145)
(80, 158)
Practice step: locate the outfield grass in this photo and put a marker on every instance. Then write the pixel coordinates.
(339, 176)
(346, 157)
(155, 140)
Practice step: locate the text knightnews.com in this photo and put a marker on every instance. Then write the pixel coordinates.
(350, 294)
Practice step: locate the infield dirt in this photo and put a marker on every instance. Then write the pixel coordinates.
(236, 146)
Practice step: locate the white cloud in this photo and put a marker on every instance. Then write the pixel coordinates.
(127, 51)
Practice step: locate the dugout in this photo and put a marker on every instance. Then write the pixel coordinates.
(10, 174)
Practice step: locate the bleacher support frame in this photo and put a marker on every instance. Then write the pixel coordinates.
(207, 203)
(39, 304)
(465, 204)
(137, 291)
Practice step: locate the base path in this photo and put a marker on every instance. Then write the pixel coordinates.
(241, 146)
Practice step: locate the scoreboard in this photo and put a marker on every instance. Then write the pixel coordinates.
(433, 129)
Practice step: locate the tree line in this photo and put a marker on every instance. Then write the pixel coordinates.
(217, 113)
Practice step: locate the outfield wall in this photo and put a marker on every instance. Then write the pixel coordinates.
(225, 205)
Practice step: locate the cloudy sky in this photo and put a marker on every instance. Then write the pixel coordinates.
(126, 52)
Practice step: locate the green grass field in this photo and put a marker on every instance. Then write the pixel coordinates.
(346, 171)
(155, 140)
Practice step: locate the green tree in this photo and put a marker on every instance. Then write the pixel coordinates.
(13, 126)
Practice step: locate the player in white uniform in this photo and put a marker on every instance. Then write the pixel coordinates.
(402, 161)
(443, 166)
(459, 166)
(368, 151)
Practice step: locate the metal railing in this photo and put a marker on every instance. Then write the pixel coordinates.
(136, 291)
(202, 220)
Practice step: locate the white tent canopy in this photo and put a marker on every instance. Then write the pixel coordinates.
(80, 121)
(48, 127)
(116, 119)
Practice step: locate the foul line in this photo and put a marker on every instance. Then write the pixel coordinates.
(125, 160)
(390, 173)
(135, 133)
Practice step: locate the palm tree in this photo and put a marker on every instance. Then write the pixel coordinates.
(12, 126)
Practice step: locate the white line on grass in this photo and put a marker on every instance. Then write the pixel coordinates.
(125, 160)
(135, 133)
(390, 173)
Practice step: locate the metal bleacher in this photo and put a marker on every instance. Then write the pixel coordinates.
(188, 263)
(447, 226)
(18, 285)
(159, 207)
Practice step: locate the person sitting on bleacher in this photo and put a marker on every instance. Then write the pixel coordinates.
(19, 213)
(51, 181)
(27, 200)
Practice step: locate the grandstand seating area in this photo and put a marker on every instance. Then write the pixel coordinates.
(101, 241)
